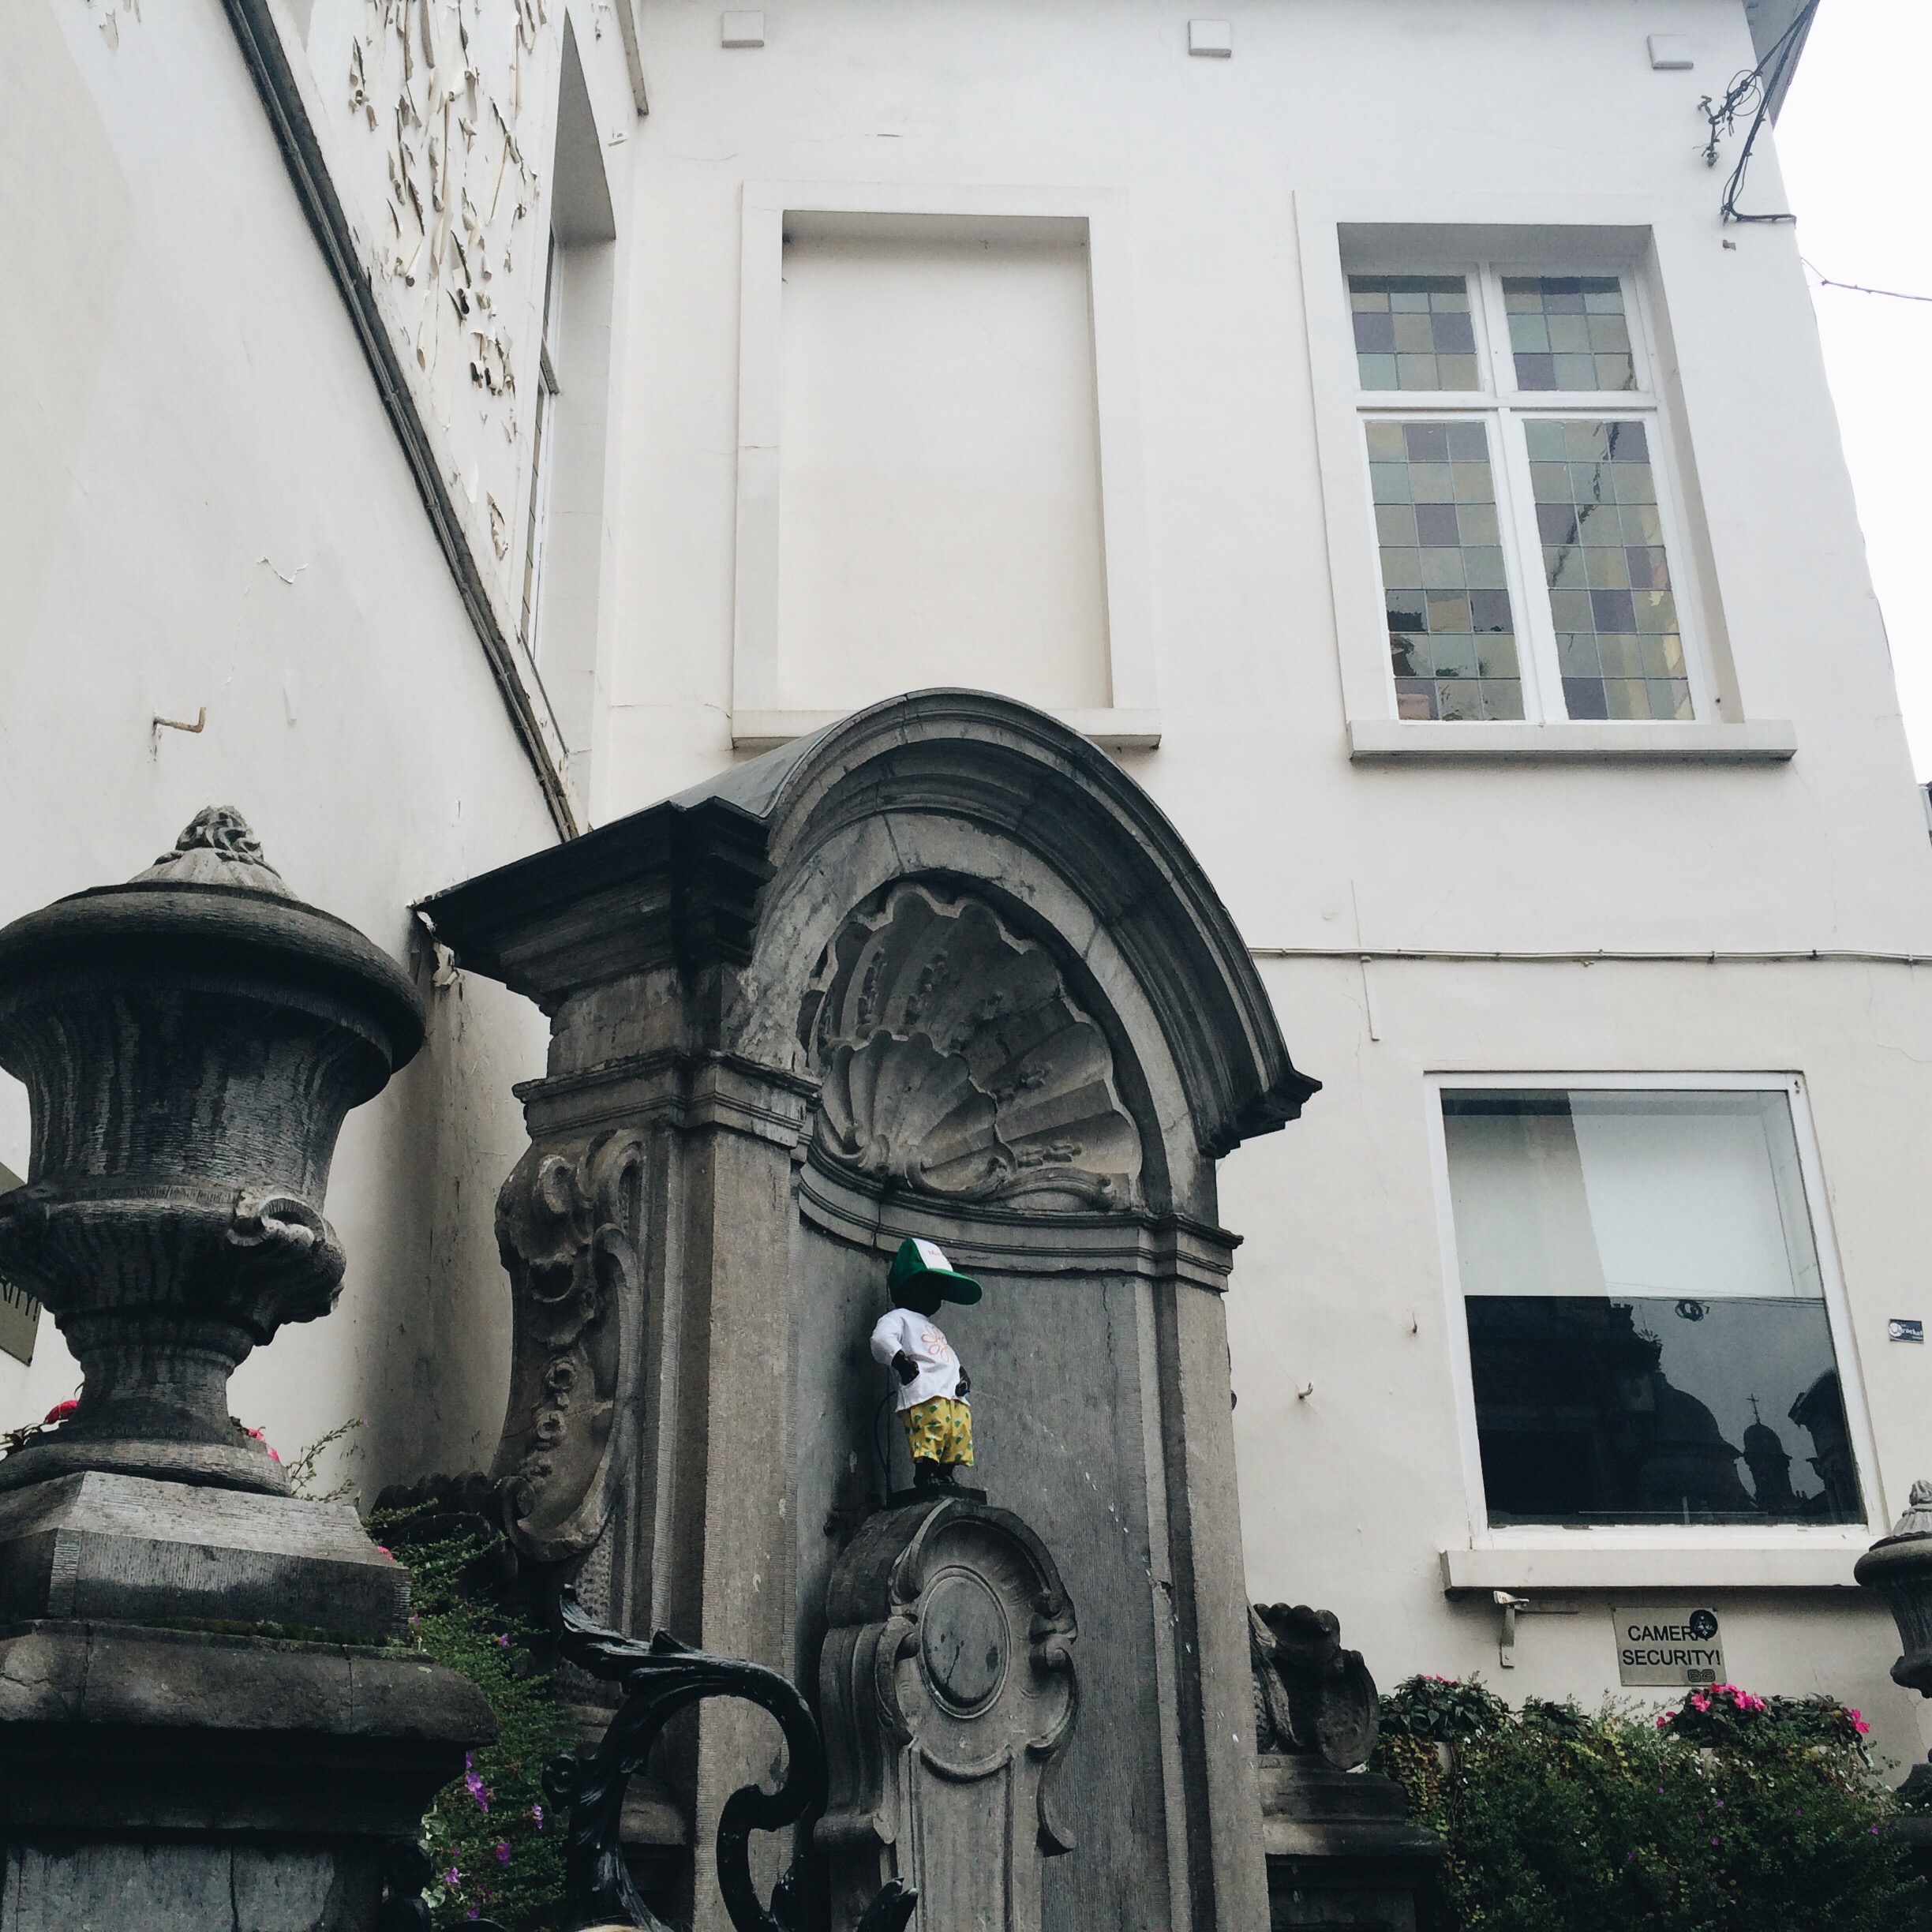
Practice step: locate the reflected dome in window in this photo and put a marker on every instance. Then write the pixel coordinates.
(1648, 1337)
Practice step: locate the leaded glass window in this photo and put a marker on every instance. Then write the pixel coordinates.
(1530, 565)
(1569, 332)
(1451, 632)
(1413, 331)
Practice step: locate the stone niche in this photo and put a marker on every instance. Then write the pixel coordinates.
(941, 969)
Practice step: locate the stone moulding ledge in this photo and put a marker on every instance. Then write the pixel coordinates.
(673, 1086)
(1007, 1240)
(1699, 1566)
(1761, 741)
(1112, 729)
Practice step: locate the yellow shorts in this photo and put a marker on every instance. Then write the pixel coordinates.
(939, 1431)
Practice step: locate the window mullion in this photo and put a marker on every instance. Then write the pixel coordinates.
(1523, 549)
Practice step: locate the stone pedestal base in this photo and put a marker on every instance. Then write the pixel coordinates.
(1342, 1853)
(157, 1778)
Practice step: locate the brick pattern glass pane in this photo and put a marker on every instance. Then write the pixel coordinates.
(1413, 331)
(1569, 332)
(1618, 645)
(1452, 636)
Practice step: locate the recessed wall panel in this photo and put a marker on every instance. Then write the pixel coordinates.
(940, 515)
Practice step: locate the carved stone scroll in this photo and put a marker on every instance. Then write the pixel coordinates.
(947, 1686)
(1311, 1695)
(955, 1063)
(568, 1228)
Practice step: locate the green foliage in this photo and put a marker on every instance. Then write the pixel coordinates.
(1762, 1817)
(302, 1473)
(498, 1851)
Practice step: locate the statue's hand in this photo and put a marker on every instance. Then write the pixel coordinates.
(965, 1385)
(905, 1367)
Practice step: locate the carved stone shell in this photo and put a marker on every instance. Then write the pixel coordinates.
(955, 1063)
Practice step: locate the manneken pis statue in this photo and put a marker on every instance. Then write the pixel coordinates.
(933, 1385)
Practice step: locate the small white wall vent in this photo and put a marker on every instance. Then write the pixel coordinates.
(742, 30)
(1215, 38)
(1671, 51)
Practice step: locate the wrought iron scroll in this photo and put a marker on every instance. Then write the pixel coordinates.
(660, 1679)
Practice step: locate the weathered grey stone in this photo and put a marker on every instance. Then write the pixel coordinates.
(117, 1888)
(948, 1691)
(1341, 1849)
(144, 1552)
(113, 1731)
(942, 969)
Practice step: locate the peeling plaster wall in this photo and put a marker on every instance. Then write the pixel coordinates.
(203, 506)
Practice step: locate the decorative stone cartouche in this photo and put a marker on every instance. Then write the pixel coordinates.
(190, 1043)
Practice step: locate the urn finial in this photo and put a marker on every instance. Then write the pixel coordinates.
(217, 847)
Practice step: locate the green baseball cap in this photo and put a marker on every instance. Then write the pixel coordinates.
(924, 1257)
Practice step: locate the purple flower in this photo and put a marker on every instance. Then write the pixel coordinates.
(503, 1642)
(537, 1812)
(473, 1785)
(503, 1850)
(453, 1879)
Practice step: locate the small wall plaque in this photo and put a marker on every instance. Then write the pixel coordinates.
(1902, 1329)
(1667, 1644)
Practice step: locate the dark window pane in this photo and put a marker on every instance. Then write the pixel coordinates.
(1535, 372)
(1557, 522)
(1591, 1409)
(1375, 335)
(1490, 610)
(1611, 611)
(1435, 523)
(1583, 698)
(1426, 442)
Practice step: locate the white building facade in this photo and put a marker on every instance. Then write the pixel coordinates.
(490, 417)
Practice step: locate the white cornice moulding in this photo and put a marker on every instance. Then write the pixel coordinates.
(1762, 741)
(1112, 730)
(1651, 1567)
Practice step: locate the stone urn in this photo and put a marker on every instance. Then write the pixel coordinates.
(1897, 1569)
(209, 1711)
(191, 1041)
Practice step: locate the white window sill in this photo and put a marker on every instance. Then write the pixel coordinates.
(1692, 1567)
(1766, 741)
(1112, 730)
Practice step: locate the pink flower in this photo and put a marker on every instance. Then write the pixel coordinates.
(1699, 1701)
(382, 1549)
(1859, 1725)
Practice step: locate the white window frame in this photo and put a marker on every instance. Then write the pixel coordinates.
(1483, 1535)
(543, 461)
(1504, 408)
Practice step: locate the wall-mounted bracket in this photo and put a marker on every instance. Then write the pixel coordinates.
(1514, 1607)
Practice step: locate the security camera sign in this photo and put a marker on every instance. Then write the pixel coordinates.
(1669, 1644)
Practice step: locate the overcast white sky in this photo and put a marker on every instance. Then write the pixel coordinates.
(1852, 145)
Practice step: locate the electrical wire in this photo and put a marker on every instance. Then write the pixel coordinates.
(1859, 288)
(1753, 92)
(1601, 955)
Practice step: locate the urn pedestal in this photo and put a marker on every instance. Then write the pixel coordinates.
(190, 1043)
(1342, 1850)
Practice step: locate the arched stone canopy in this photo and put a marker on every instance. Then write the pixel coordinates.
(942, 968)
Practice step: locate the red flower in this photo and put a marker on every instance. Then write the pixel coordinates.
(62, 1410)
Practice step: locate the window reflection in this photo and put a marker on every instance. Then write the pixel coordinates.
(1649, 1341)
